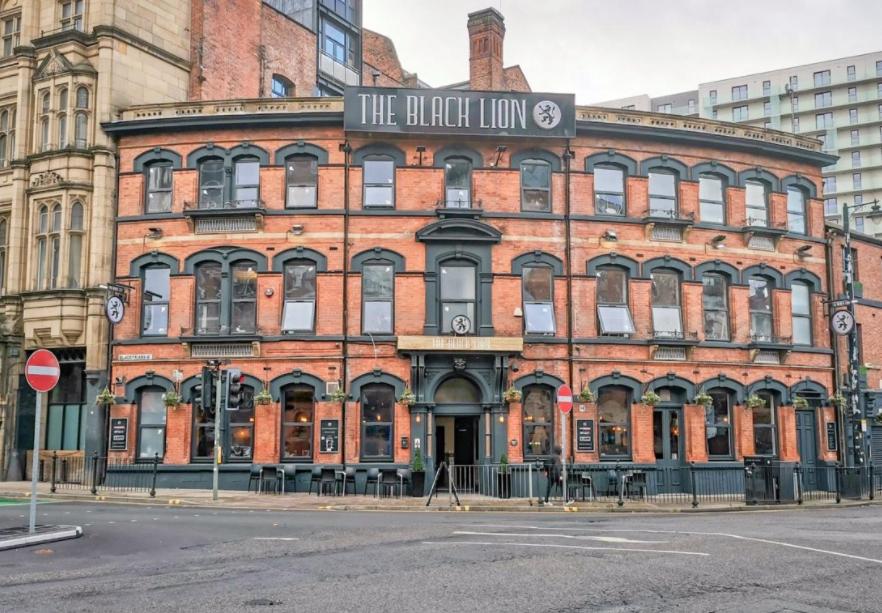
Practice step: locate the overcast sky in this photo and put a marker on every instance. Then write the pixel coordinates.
(605, 49)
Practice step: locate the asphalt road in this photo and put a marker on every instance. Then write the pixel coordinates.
(175, 559)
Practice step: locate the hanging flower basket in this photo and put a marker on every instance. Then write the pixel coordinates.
(837, 400)
(650, 398)
(263, 397)
(512, 395)
(754, 402)
(704, 399)
(800, 403)
(586, 395)
(104, 398)
(171, 399)
(407, 398)
(338, 395)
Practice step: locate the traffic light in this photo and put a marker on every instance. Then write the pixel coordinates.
(234, 389)
(203, 393)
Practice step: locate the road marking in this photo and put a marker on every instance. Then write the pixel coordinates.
(556, 546)
(276, 538)
(604, 539)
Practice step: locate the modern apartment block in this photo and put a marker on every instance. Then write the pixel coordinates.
(837, 101)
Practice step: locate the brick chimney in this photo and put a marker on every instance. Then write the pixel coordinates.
(486, 34)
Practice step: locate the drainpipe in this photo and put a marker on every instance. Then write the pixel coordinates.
(834, 343)
(346, 149)
(568, 156)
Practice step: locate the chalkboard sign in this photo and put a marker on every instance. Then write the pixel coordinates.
(831, 435)
(585, 435)
(329, 436)
(119, 434)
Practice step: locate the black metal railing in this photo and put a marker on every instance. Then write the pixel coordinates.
(771, 339)
(99, 473)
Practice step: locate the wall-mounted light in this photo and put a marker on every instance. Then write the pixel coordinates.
(421, 149)
(610, 235)
(268, 292)
(518, 312)
(297, 229)
(804, 252)
(717, 241)
(418, 418)
(154, 233)
(502, 419)
(500, 149)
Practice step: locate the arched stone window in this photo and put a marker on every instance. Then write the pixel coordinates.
(298, 417)
(538, 418)
(377, 422)
(75, 245)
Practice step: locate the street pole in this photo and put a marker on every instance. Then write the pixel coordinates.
(35, 464)
(217, 419)
(563, 458)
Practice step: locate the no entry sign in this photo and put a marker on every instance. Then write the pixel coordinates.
(564, 398)
(42, 370)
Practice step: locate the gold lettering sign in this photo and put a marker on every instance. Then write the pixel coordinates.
(461, 343)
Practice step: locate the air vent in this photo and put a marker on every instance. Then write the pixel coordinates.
(221, 350)
(667, 233)
(670, 353)
(767, 357)
(223, 225)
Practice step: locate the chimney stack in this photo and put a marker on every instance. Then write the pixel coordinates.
(486, 34)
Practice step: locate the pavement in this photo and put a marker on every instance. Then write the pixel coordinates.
(160, 557)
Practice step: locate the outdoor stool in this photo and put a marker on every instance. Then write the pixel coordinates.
(316, 479)
(373, 476)
(254, 477)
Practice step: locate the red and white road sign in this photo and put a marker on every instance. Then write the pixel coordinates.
(42, 370)
(564, 398)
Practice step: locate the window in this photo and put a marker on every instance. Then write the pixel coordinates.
(662, 194)
(72, 15)
(538, 294)
(711, 203)
(226, 300)
(713, 113)
(759, 300)
(240, 428)
(852, 116)
(664, 108)
(538, 411)
(666, 322)
(211, 183)
(794, 82)
(829, 184)
(612, 301)
(879, 68)
(244, 297)
(609, 190)
(246, 183)
(44, 134)
(11, 34)
(856, 180)
(48, 247)
(151, 423)
(767, 109)
(337, 43)
(82, 101)
(794, 104)
(535, 185)
(281, 87)
(823, 121)
(739, 92)
(75, 246)
(767, 88)
(301, 178)
(800, 298)
(614, 431)
(858, 224)
(298, 314)
(852, 94)
(740, 113)
(880, 111)
(764, 429)
(858, 198)
(203, 431)
(62, 130)
(831, 206)
(7, 136)
(208, 298)
(823, 99)
(81, 130)
(851, 73)
(856, 159)
(154, 301)
(822, 78)
(757, 197)
(378, 298)
(298, 416)
(795, 124)
(458, 298)
(379, 181)
(718, 423)
(855, 137)
(690, 107)
(712, 96)
(377, 408)
(879, 89)
(344, 8)
(795, 210)
(457, 183)
(159, 188)
(3, 232)
(715, 304)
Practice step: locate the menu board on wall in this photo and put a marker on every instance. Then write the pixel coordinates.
(584, 435)
(831, 436)
(329, 436)
(119, 434)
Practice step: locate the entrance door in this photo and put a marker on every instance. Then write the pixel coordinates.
(465, 441)
(806, 437)
(666, 430)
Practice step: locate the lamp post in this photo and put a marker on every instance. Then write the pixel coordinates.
(854, 436)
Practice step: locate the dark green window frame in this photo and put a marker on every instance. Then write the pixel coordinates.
(227, 302)
(378, 419)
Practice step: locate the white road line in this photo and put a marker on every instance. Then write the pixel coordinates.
(556, 546)
(604, 539)
(276, 538)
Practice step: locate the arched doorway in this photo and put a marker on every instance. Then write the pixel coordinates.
(457, 424)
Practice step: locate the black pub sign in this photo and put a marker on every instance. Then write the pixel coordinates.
(459, 112)
(119, 434)
(329, 436)
(585, 435)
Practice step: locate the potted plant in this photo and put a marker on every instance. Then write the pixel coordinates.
(586, 395)
(512, 394)
(800, 403)
(754, 402)
(171, 399)
(417, 475)
(263, 397)
(104, 398)
(837, 400)
(338, 395)
(407, 398)
(704, 399)
(650, 398)
(503, 477)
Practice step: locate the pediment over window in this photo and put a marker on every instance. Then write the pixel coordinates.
(459, 230)
(56, 63)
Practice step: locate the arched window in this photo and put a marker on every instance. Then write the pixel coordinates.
(458, 183)
(55, 247)
(246, 182)
(765, 429)
(609, 190)
(662, 194)
(666, 318)
(211, 183)
(801, 307)
(712, 198)
(379, 181)
(715, 304)
(44, 134)
(535, 185)
(760, 305)
(301, 178)
(45, 103)
(42, 239)
(756, 195)
(298, 314)
(282, 87)
(82, 101)
(203, 431)
(458, 297)
(378, 297)
(3, 232)
(377, 422)
(75, 246)
(158, 195)
(718, 424)
(614, 417)
(5, 154)
(208, 298)
(62, 99)
(81, 130)
(537, 283)
(298, 416)
(612, 301)
(244, 297)
(154, 302)
(62, 130)
(151, 423)
(538, 408)
(796, 210)
(457, 390)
